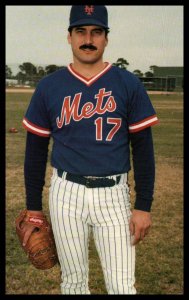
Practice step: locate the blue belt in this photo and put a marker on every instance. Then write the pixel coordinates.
(90, 182)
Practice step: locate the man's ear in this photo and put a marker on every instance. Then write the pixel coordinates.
(69, 38)
(106, 43)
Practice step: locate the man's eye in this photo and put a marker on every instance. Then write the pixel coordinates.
(80, 30)
(98, 31)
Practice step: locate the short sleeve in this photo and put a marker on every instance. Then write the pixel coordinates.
(36, 119)
(141, 113)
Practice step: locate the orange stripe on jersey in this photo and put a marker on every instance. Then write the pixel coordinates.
(152, 120)
(35, 129)
(89, 81)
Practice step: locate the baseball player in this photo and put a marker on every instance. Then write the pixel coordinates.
(93, 111)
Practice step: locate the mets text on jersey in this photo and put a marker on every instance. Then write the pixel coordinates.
(88, 109)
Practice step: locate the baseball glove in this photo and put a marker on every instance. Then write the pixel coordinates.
(40, 247)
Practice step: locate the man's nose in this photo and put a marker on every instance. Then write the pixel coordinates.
(88, 38)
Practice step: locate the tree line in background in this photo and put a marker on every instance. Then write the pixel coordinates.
(31, 74)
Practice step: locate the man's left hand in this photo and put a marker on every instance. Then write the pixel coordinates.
(139, 225)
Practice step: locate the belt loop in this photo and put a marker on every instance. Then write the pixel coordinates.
(118, 179)
(124, 178)
(59, 172)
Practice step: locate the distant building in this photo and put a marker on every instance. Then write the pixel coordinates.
(171, 77)
(11, 82)
(165, 79)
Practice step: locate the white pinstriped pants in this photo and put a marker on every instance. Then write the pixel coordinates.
(74, 209)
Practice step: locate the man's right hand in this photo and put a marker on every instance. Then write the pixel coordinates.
(29, 228)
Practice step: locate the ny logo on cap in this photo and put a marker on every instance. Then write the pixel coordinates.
(89, 9)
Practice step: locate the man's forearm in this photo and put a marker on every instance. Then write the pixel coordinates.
(144, 168)
(34, 170)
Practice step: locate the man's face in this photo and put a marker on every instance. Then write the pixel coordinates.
(88, 43)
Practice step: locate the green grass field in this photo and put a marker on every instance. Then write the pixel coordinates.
(159, 258)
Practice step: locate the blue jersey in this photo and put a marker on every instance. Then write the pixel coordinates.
(90, 119)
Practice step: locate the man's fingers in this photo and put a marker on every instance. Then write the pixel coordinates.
(136, 238)
(139, 225)
(27, 235)
(132, 228)
(142, 234)
(139, 236)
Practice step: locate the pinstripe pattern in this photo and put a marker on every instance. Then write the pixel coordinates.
(74, 209)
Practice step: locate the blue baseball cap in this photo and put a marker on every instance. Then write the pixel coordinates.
(88, 15)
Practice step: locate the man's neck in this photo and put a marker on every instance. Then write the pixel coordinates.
(88, 70)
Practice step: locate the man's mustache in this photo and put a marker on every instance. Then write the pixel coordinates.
(89, 46)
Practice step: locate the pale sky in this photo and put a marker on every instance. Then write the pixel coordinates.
(143, 35)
